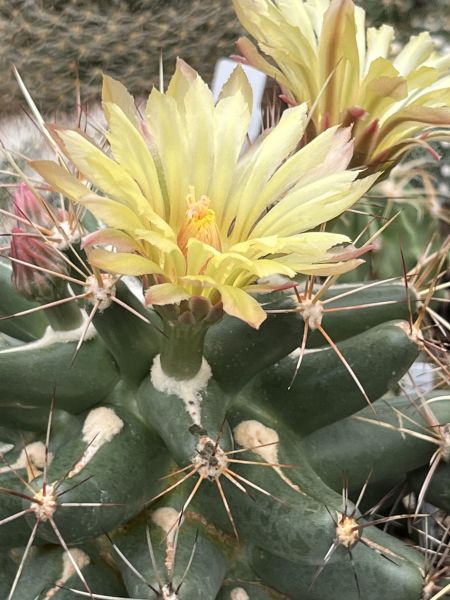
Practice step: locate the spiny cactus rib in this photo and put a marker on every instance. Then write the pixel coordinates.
(397, 430)
(345, 310)
(306, 404)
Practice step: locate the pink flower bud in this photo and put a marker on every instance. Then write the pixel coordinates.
(27, 206)
(34, 284)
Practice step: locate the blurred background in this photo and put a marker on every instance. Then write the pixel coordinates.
(52, 41)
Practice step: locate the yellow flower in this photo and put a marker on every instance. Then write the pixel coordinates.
(322, 54)
(185, 203)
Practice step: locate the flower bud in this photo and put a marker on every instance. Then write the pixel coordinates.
(33, 284)
(27, 206)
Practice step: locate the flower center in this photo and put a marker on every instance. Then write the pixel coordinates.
(199, 223)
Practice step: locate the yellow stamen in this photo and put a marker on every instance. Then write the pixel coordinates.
(199, 223)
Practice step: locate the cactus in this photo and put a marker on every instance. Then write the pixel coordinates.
(161, 442)
(58, 41)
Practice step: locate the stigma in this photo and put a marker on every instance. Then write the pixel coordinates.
(199, 223)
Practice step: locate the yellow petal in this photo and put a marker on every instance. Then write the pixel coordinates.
(199, 106)
(266, 268)
(198, 256)
(416, 51)
(324, 269)
(329, 152)
(231, 122)
(236, 85)
(131, 152)
(314, 204)
(60, 179)
(114, 92)
(123, 263)
(338, 54)
(101, 170)
(165, 293)
(111, 213)
(105, 237)
(250, 52)
(238, 303)
(273, 150)
(180, 81)
(170, 144)
(378, 44)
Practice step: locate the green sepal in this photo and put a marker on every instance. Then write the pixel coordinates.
(123, 474)
(377, 576)
(205, 574)
(360, 447)
(323, 390)
(33, 373)
(167, 414)
(26, 328)
(44, 569)
(131, 341)
(236, 352)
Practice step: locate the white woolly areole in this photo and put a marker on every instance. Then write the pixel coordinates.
(239, 594)
(312, 313)
(169, 520)
(167, 594)
(188, 390)
(77, 556)
(101, 294)
(99, 428)
(44, 503)
(166, 517)
(51, 337)
(32, 456)
(263, 441)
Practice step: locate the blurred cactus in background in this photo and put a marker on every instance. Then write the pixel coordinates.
(56, 42)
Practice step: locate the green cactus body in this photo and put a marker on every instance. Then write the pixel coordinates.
(47, 366)
(294, 487)
(282, 332)
(305, 403)
(26, 328)
(437, 491)
(51, 571)
(375, 577)
(94, 471)
(171, 556)
(331, 447)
